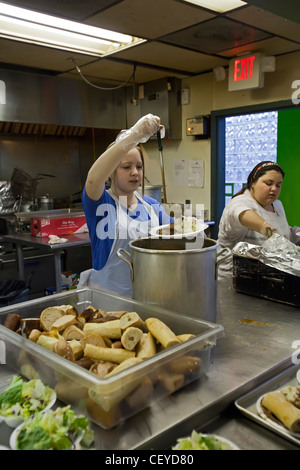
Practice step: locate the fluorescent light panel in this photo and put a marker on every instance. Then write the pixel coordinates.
(32, 27)
(219, 6)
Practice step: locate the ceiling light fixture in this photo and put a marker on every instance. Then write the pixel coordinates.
(28, 26)
(219, 6)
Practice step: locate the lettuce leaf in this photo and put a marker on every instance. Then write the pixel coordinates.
(54, 429)
(13, 393)
(198, 441)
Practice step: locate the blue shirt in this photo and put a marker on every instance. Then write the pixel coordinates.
(101, 218)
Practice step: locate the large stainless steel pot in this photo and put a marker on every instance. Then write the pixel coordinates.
(164, 272)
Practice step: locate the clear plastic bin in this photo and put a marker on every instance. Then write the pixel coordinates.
(109, 401)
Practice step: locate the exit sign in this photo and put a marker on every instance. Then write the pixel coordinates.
(245, 73)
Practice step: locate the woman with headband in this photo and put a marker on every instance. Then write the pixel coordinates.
(255, 213)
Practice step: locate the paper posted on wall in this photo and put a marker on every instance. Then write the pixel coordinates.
(196, 173)
(179, 172)
(188, 173)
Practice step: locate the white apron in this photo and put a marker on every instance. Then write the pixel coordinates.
(115, 275)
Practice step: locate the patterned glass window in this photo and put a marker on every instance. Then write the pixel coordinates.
(249, 139)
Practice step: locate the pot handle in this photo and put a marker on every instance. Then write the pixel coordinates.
(226, 252)
(120, 253)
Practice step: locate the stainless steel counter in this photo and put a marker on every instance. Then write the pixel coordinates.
(256, 346)
(26, 239)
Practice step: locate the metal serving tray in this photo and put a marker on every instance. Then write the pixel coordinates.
(105, 400)
(247, 403)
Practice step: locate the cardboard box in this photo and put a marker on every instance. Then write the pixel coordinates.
(53, 225)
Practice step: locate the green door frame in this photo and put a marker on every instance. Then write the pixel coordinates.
(218, 152)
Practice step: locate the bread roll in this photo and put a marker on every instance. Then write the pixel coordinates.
(107, 354)
(116, 313)
(131, 361)
(131, 337)
(102, 368)
(46, 341)
(171, 382)
(63, 349)
(86, 314)
(49, 316)
(287, 413)
(111, 329)
(95, 339)
(186, 365)
(162, 332)
(76, 348)
(34, 335)
(68, 309)
(106, 419)
(110, 393)
(85, 362)
(146, 346)
(12, 321)
(61, 323)
(185, 337)
(131, 319)
(142, 395)
(73, 332)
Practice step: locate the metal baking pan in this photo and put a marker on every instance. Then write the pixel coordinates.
(80, 387)
(247, 403)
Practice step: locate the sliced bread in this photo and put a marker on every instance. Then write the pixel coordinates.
(49, 316)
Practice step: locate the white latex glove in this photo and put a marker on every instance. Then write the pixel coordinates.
(267, 229)
(143, 129)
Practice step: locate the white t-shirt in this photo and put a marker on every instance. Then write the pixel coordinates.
(231, 231)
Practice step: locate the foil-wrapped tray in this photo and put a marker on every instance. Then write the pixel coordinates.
(277, 252)
(270, 271)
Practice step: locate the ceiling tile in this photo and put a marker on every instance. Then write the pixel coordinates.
(288, 9)
(268, 22)
(70, 9)
(27, 55)
(149, 19)
(105, 69)
(166, 56)
(216, 35)
(271, 46)
(184, 39)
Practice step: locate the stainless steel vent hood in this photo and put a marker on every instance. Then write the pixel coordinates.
(55, 106)
(56, 103)
(31, 129)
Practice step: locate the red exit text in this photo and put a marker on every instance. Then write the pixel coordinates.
(243, 68)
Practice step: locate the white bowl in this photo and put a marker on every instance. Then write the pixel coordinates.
(188, 235)
(231, 444)
(13, 423)
(14, 436)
